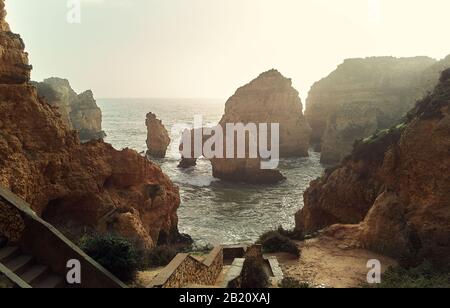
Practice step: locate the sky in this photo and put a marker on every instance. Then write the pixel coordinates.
(209, 48)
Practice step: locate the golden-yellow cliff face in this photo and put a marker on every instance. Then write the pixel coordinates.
(394, 188)
(268, 99)
(158, 139)
(365, 95)
(14, 67)
(69, 183)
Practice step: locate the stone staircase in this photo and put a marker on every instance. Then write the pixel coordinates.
(27, 269)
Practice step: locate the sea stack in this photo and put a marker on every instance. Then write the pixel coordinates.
(78, 111)
(158, 139)
(362, 96)
(87, 186)
(269, 99)
(392, 193)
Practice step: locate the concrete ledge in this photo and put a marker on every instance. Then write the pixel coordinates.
(213, 256)
(276, 270)
(234, 274)
(231, 252)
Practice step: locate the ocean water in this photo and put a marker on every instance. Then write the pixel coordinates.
(211, 211)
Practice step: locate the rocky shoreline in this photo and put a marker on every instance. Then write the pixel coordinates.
(387, 195)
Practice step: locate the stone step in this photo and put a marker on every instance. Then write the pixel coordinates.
(8, 252)
(35, 274)
(50, 282)
(19, 264)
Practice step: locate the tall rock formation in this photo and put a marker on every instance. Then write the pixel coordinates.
(365, 95)
(79, 111)
(14, 66)
(158, 139)
(394, 186)
(270, 98)
(69, 183)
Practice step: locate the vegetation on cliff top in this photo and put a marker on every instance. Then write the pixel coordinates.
(280, 241)
(430, 107)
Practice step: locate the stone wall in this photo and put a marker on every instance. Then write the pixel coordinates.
(185, 270)
(254, 251)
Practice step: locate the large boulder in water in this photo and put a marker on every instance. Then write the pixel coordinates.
(268, 99)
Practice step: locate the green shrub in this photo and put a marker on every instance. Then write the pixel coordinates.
(292, 234)
(274, 241)
(423, 276)
(291, 283)
(116, 254)
(161, 256)
(253, 274)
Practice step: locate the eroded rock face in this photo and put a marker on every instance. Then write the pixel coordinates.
(85, 185)
(78, 111)
(14, 66)
(395, 186)
(158, 139)
(270, 98)
(365, 95)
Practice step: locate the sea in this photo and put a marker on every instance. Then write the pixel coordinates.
(212, 211)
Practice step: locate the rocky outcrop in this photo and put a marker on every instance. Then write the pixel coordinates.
(270, 98)
(78, 111)
(158, 139)
(365, 95)
(394, 188)
(14, 66)
(69, 183)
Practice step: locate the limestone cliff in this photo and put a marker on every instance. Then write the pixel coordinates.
(14, 66)
(378, 91)
(79, 111)
(69, 183)
(158, 139)
(394, 187)
(270, 98)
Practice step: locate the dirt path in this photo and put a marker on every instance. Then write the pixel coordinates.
(328, 262)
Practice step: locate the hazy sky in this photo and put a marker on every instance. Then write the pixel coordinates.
(208, 48)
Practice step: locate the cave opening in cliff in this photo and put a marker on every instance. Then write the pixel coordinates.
(71, 215)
